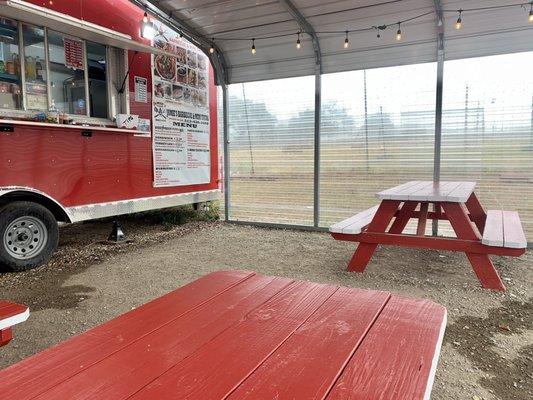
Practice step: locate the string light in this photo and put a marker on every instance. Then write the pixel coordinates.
(399, 32)
(145, 18)
(459, 22)
(346, 41)
(378, 28)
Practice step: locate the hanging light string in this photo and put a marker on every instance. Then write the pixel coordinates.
(378, 28)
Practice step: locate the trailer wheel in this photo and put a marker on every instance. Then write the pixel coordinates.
(28, 235)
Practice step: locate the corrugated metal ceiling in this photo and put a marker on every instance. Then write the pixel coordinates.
(483, 33)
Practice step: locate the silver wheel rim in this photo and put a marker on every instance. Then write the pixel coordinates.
(25, 237)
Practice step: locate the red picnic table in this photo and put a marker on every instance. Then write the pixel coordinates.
(240, 335)
(478, 232)
(11, 314)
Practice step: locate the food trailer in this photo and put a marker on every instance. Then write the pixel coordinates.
(96, 120)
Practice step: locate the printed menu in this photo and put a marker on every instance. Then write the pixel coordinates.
(180, 112)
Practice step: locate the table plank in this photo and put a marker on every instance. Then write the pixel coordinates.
(493, 233)
(125, 372)
(398, 357)
(385, 194)
(307, 365)
(356, 223)
(12, 314)
(443, 191)
(41, 372)
(514, 236)
(221, 365)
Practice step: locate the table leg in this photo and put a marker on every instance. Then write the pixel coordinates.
(421, 228)
(384, 214)
(403, 217)
(5, 336)
(483, 267)
(477, 212)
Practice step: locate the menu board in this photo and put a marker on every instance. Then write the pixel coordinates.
(73, 53)
(180, 112)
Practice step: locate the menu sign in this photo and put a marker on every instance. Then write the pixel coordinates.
(180, 112)
(73, 53)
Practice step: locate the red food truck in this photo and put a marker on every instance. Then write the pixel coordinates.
(96, 120)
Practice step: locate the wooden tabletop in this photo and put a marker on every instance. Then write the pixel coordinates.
(443, 191)
(239, 335)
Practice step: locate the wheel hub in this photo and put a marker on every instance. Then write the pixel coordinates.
(25, 237)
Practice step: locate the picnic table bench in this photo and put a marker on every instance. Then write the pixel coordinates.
(240, 335)
(11, 314)
(478, 232)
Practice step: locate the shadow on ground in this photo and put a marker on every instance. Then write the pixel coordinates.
(474, 338)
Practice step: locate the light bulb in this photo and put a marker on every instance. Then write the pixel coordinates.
(346, 41)
(298, 43)
(459, 22)
(148, 30)
(212, 48)
(531, 14)
(145, 18)
(399, 33)
(253, 47)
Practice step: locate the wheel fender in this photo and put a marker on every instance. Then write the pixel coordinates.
(21, 193)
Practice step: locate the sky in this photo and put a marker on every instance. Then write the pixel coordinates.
(498, 83)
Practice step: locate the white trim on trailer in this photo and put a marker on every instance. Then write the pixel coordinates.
(103, 210)
(121, 207)
(10, 189)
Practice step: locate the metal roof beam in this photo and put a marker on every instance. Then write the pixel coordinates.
(191, 34)
(306, 27)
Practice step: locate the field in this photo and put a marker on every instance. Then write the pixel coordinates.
(279, 189)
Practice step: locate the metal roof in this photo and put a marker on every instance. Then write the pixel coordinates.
(484, 32)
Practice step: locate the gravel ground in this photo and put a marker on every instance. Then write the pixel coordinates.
(488, 346)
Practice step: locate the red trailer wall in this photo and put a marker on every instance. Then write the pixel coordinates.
(108, 166)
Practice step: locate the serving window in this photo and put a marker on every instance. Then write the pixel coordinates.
(43, 70)
(10, 67)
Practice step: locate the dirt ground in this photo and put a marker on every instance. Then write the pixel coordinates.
(488, 346)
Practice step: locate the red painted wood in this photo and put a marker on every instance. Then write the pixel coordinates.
(120, 376)
(483, 267)
(307, 365)
(386, 211)
(395, 360)
(250, 337)
(477, 212)
(5, 336)
(485, 271)
(421, 228)
(37, 374)
(460, 222)
(8, 309)
(225, 362)
(403, 216)
(437, 243)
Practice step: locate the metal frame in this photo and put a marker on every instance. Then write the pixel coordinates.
(306, 27)
(225, 110)
(438, 101)
(22, 63)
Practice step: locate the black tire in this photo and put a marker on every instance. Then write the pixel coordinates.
(46, 246)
